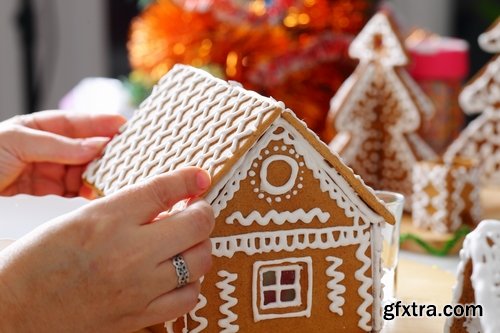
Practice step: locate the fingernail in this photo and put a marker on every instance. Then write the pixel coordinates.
(95, 142)
(203, 180)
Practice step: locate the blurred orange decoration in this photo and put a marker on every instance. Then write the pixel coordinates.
(293, 50)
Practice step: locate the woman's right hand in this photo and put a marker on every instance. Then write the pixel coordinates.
(107, 267)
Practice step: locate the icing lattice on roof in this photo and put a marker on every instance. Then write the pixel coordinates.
(190, 119)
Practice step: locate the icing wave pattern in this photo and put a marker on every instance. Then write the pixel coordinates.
(337, 289)
(366, 283)
(226, 323)
(177, 126)
(331, 182)
(278, 218)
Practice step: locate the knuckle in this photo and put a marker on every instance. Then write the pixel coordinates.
(157, 192)
(201, 221)
(192, 293)
(204, 258)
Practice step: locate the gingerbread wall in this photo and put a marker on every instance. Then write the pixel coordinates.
(332, 261)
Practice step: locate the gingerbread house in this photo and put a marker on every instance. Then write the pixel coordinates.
(297, 239)
(478, 281)
(481, 139)
(378, 110)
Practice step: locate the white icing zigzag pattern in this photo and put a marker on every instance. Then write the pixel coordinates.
(366, 283)
(334, 285)
(226, 324)
(202, 322)
(278, 218)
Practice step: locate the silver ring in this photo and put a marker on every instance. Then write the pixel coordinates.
(181, 270)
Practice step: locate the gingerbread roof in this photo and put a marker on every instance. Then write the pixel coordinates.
(379, 41)
(490, 39)
(194, 119)
(482, 247)
(482, 90)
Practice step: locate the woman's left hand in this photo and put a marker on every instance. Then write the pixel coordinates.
(46, 152)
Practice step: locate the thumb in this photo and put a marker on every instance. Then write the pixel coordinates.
(30, 145)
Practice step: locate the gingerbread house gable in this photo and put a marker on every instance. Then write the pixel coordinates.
(478, 280)
(319, 224)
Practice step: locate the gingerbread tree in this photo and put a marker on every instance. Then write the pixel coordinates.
(377, 111)
(481, 139)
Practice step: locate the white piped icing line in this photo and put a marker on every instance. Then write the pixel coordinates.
(292, 263)
(286, 240)
(276, 190)
(362, 149)
(366, 283)
(490, 39)
(278, 218)
(363, 48)
(481, 138)
(226, 324)
(337, 289)
(426, 177)
(482, 247)
(202, 321)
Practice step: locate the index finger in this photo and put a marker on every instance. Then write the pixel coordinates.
(73, 124)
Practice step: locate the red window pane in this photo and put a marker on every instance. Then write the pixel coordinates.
(269, 296)
(287, 277)
(287, 295)
(269, 278)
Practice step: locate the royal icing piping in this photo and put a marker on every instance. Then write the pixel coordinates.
(365, 321)
(226, 324)
(360, 150)
(490, 40)
(286, 240)
(276, 190)
(190, 119)
(363, 48)
(331, 181)
(377, 274)
(482, 246)
(279, 218)
(256, 278)
(337, 289)
(202, 321)
(484, 91)
(426, 176)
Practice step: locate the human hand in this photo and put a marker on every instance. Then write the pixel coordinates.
(45, 152)
(106, 267)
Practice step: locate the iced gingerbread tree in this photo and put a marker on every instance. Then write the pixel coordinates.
(377, 111)
(481, 139)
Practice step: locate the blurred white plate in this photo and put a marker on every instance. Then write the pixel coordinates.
(22, 213)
